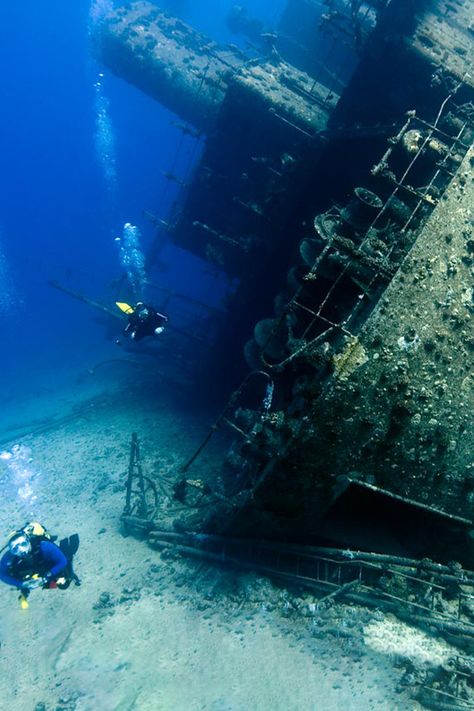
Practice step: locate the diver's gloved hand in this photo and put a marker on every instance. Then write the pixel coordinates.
(46, 579)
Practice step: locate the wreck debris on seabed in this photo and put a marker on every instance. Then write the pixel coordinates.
(354, 595)
(340, 192)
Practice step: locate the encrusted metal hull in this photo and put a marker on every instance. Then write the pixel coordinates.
(349, 223)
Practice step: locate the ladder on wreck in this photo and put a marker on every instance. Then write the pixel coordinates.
(447, 688)
(141, 498)
(423, 592)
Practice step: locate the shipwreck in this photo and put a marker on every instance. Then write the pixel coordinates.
(336, 184)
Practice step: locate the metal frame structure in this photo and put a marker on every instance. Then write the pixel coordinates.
(365, 578)
(141, 497)
(314, 325)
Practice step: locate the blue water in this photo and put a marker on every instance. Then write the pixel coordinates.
(82, 154)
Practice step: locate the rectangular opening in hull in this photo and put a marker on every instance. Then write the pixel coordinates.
(366, 517)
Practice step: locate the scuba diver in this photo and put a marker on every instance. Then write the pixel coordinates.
(33, 560)
(143, 321)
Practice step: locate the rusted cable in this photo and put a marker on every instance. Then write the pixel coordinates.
(222, 417)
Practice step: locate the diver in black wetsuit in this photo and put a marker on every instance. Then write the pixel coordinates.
(144, 321)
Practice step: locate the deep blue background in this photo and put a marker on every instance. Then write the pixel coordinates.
(58, 219)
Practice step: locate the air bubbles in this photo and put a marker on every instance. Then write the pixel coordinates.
(104, 136)
(21, 478)
(132, 258)
(7, 296)
(98, 11)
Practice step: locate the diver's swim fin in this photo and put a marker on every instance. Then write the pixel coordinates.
(70, 545)
(23, 601)
(126, 308)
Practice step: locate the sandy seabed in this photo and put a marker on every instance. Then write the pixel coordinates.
(146, 632)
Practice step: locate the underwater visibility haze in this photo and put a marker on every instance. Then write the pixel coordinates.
(236, 440)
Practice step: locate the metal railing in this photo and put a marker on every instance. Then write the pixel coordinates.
(315, 318)
(425, 592)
